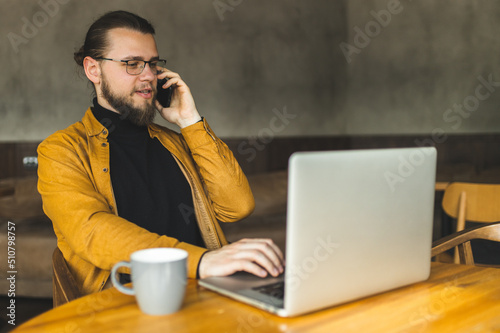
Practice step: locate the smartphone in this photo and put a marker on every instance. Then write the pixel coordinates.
(164, 95)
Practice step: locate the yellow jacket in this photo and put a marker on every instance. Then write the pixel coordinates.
(75, 185)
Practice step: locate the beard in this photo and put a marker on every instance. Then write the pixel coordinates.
(125, 106)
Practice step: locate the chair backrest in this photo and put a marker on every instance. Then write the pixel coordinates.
(64, 286)
(474, 203)
(482, 201)
(488, 232)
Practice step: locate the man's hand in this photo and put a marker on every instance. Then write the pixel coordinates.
(257, 256)
(182, 110)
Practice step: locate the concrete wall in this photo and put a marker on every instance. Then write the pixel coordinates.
(422, 69)
(272, 68)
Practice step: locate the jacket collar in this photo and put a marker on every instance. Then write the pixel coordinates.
(153, 128)
(92, 125)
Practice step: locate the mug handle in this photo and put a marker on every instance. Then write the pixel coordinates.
(116, 282)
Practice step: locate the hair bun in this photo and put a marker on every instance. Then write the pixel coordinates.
(79, 56)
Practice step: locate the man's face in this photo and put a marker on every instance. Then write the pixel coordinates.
(132, 96)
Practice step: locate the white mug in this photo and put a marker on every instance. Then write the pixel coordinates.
(159, 278)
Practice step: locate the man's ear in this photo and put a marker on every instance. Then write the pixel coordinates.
(92, 70)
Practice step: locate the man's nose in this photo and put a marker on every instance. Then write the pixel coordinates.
(148, 74)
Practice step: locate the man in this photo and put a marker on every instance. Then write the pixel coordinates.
(115, 182)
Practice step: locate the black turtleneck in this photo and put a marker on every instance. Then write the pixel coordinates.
(149, 187)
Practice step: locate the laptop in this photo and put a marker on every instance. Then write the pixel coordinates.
(359, 222)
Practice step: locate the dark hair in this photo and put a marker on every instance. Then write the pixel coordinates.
(96, 40)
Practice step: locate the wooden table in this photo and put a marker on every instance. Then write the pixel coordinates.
(456, 298)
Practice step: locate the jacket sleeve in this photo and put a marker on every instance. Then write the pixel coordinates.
(225, 183)
(82, 216)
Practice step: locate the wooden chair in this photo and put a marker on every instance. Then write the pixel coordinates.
(471, 202)
(459, 239)
(64, 286)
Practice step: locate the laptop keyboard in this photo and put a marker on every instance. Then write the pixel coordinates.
(276, 290)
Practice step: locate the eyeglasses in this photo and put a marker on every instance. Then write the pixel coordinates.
(136, 67)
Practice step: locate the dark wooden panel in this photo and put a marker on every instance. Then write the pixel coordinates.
(11, 157)
(472, 157)
(7, 160)
(25, 149)
(257, 157)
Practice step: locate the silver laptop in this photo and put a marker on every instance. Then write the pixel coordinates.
(359, 222)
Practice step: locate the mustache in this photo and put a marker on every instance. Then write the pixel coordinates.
(146, 86)
(154, 90)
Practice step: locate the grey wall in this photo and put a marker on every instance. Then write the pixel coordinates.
(262, 59)
(414, 74)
